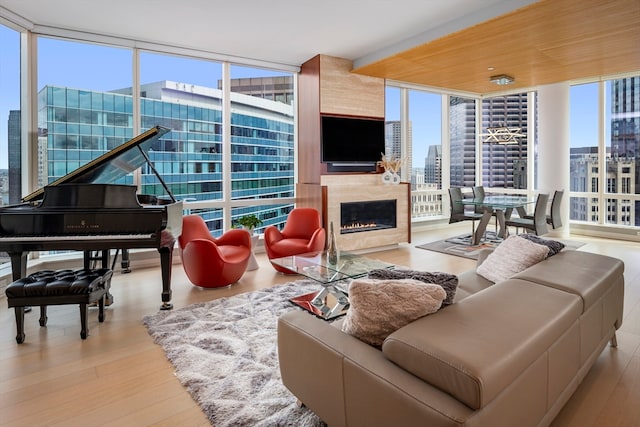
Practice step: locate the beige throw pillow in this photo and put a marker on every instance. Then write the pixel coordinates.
(380, 307)
(510, 257)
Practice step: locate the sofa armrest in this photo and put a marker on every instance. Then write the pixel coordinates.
(482, 255)
(343, 380)
(311, 364)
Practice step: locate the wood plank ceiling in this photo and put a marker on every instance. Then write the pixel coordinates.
(546, 42)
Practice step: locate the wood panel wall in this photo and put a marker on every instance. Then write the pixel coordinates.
(326, 85)
(345, 93)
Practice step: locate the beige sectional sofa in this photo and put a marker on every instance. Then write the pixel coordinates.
(505, 354)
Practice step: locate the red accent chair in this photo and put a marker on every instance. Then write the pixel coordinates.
(303, 233)
(211, 262)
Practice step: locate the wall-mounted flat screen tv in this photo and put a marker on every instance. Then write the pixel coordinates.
(352, 140)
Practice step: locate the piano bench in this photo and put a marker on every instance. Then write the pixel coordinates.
(57, 287)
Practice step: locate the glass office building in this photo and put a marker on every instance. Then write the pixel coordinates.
(76, 126)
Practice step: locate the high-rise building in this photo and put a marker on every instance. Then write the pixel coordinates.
(425, 202)
(393, 144)
(625, 118)
(274, 88)
(502, 164)
(621, 161)
(76, 126)
(620, 175)
(393, 138)
(462, 137)
(15, 156)
(433, 166)
(625, 136)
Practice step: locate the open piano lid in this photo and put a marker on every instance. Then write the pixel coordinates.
(113, 164)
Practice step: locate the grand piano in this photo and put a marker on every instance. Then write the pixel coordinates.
(86, 211)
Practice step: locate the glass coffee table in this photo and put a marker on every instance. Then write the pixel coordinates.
(332, 300)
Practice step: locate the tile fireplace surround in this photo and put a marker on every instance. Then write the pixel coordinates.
(339, 189)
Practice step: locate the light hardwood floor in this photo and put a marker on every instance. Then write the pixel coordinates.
(119, 377)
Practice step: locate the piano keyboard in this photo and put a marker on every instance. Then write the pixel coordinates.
(76, 237)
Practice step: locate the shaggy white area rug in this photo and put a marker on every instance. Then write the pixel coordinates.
(225, 354)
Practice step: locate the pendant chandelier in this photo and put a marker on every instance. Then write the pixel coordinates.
(503, 135)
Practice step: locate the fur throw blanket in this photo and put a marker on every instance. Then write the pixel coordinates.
(449, 282)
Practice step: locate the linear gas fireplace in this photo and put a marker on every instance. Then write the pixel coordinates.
(372, 215)
(367, 213)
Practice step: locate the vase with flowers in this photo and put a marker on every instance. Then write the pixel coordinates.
(391, 166)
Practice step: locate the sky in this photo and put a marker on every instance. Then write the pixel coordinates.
(99, 68)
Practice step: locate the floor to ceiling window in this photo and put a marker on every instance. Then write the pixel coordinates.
(182, 94)
(462, 137)
(81, 114)
(415, 120)
(504, 141)
(10, 116)
(414, 134)
(605, 151)
(86, 107)
(262, 143)
(584, 152)
(623, 142)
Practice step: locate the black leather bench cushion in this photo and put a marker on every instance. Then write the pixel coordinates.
(59, 283)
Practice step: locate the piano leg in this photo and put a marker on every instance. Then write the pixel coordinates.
(166, 259)
(124, 261)
(18, 264)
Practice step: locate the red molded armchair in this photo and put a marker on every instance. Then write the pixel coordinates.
(211, 262)
(303, 233)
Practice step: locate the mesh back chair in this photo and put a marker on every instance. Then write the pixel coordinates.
(536, 224)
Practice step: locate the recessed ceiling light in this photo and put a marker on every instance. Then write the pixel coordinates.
(501, 79)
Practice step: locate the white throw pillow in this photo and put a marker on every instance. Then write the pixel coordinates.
(510, 257)
(379, 307)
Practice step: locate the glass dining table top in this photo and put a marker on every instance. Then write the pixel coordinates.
(500, 201)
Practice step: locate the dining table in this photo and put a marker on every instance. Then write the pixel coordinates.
(501, 206)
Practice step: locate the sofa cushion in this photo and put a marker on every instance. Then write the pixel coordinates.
(473, 351)
(469, 283)
(379, 307)
(591, 274)
(449, 282)
(512, 256)
(553, 245)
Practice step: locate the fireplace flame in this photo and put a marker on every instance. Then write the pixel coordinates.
(359, 226)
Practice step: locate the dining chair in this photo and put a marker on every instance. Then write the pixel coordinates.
(553, 217)
(478, 193)
(538, 222)
(458, 212)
